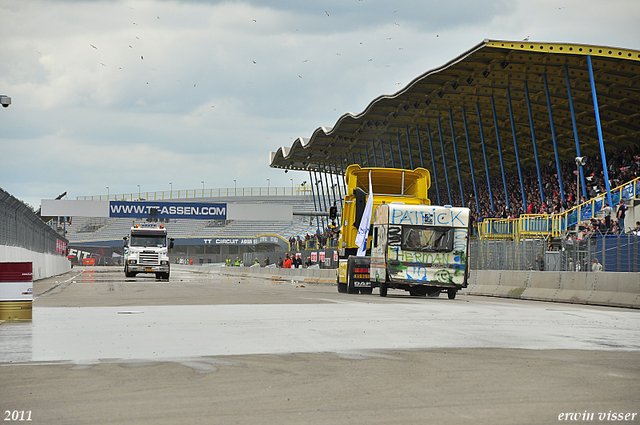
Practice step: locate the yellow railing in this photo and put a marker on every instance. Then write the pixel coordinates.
(554, 225)
(175, 195)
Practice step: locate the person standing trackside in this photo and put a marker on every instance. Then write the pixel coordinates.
(622, 213)
(596, 266)
(607, 216)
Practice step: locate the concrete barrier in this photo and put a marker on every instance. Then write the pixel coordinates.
(604, 288)
(44, 265)
(610, 289)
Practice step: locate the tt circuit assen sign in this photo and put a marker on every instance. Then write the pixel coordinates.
(184, 210)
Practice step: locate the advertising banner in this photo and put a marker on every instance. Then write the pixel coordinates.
(162, 210)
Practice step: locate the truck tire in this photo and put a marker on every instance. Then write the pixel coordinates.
(452, 294)
(127, 273)
(350, 288)
(383, 289)
(342, 287)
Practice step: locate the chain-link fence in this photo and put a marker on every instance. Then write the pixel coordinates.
(615, 253)
(20, 227)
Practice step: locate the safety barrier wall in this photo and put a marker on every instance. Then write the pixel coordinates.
(44, 265)
(296, 275)
(611, 289)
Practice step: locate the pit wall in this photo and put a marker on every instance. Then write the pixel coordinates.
(44, 265)
(608, 289)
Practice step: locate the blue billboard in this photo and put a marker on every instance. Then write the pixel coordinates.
(160, 210)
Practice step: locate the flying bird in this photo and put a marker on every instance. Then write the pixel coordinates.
(94, 47)
(102, 64)
(326, 12)
(141, 57)
(300, 76)
(254, 62)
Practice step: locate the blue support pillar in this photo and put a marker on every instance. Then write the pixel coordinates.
(553, 136)
(314, 187)
(599, 126)
(344, 171)
(393, 164)
(353, 155)
(419, 146)
(444, 161)
(361, 161)
(384, 161)
(495, 123)
(366, 154)
(473, 177)
(433, 164)
(333, 185)
(455, 155)
(324, 194)
(515, 146)
(400, 151)
(533, 139)
(406, 127)
(484, 154)
(575, 133)
(373, 146)
(338, 183)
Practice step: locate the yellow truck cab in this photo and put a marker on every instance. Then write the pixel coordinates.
(388, 185)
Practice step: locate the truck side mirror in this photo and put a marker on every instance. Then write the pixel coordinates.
(124, 241)
(170, 243)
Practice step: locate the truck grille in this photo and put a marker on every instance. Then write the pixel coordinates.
(149, 258)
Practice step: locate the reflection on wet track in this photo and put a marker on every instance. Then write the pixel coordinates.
(334, 323)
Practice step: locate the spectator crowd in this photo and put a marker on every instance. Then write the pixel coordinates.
(623, 166)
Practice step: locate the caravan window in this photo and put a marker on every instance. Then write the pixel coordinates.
(427, 239)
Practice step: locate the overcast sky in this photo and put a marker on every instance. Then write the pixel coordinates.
(127, 93)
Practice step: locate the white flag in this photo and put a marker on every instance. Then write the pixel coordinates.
(365, 223)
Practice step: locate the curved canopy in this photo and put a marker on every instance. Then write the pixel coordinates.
(482, 95)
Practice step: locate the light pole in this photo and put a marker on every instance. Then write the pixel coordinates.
(138, 192)
(107, 193)
(202, 181)
(235, 188)
(268, 186)
(170, 190)
(291, 186)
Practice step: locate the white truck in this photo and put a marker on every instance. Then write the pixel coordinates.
(146, 251)
(420, 248)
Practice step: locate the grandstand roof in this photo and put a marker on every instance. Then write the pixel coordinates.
(497, 69)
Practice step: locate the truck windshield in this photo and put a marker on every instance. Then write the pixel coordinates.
(148, 240)
(427, 239)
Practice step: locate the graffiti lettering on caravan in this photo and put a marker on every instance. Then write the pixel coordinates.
(460, 239)
(435, 217)
(190, 210)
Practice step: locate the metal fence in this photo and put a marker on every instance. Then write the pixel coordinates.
(20, 227)
(616, 253)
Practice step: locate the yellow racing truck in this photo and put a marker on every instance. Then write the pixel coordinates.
(431, 259)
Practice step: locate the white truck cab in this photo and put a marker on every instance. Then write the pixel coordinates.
(146, 251)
